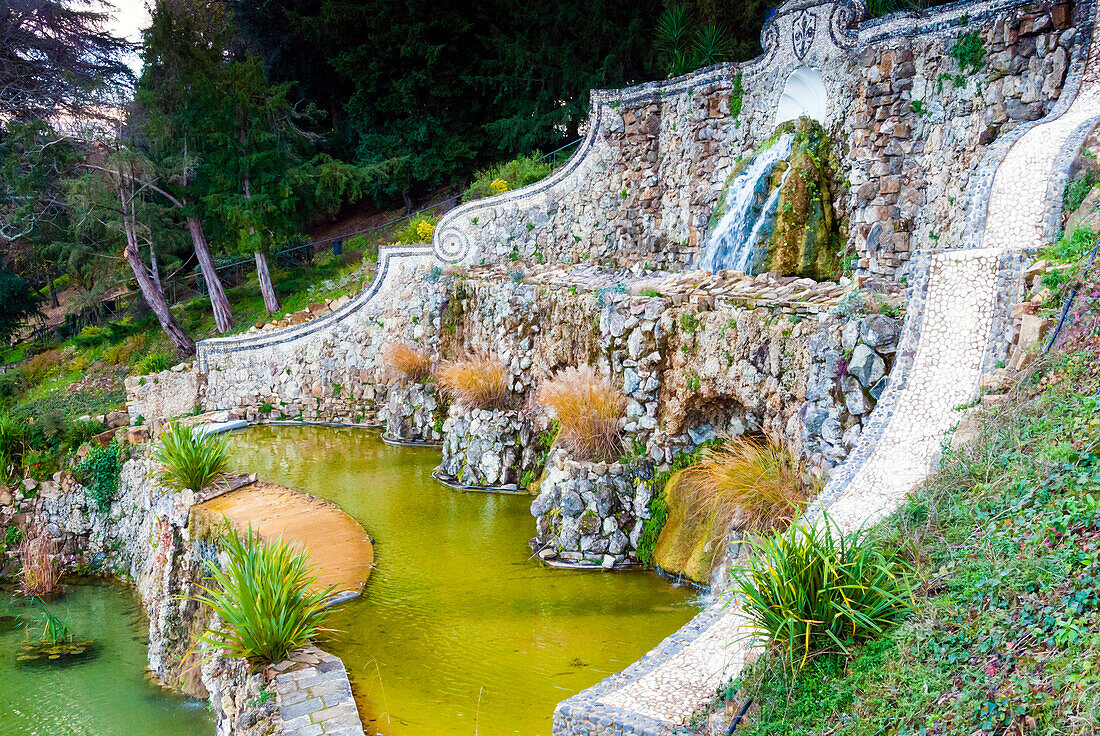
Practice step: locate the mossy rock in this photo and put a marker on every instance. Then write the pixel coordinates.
(691, 540)
(805, 240)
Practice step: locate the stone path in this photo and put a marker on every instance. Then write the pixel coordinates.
(314, 696)
(339, 548)
(945, 345)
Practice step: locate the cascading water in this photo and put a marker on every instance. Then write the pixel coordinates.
(749, 212)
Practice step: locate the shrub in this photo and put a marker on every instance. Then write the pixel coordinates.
(264, 600)
(514, 174)
(124, 352)
(40, 574)
(42, 366)
(404, 362)
(190, 458)
(814, 589)
(100, 472)
(969, 52)
(153, 363)
(759, 481)
(590, 411)
(414, 231)
(1073, 196)
(475, 382)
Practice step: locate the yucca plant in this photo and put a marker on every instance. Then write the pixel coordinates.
(762, 483)
(814, 589)
(590, 411)
(475, 383)
(404, 362)
(264, 599)
(190, 459)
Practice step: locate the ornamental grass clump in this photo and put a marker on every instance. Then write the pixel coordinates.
(814, 589)
(405, 363)
(590, 411)
(759, 483)
(474, 383)
(40, 574)
(190, 458)
(264, 599)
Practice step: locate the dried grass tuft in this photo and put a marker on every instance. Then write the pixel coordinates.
(405, 363)
(40, 575)
(476, 382)
(590, 411)
(760, 482)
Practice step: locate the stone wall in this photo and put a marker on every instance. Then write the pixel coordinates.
(490, 448)
(170, 393)
(591, 513)
(911, 125)
(413, 412)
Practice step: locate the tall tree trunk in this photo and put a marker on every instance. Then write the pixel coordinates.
(271, 302)
(53, 294)
(223, 313)
(153, 270)
(407, 196)
(150, 290)
(154, 297)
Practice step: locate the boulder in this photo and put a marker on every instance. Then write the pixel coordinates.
(866, 365)
(117, 419)
(880, 332)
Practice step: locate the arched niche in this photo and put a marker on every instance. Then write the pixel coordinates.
(803, 94)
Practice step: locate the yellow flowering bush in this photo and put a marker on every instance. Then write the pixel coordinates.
(425, 229)
(498, 186)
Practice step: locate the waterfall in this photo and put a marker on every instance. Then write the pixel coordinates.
(749, 214)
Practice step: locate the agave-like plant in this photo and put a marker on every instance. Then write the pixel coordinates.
(264, 599)
(191, 459)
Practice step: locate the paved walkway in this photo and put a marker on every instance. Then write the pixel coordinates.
(948, 342)
(339, 548)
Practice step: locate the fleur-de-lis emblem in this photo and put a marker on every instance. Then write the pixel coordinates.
(803, 29)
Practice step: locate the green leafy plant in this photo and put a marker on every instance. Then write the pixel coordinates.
(100, 472)
(417, 230)
(190, 458)
(815, 589)
(1076, 191)
(969, 52)
(519, 172)
(683, 47)
(153, 363)
(266, 599)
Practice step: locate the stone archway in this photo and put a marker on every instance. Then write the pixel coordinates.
(803, 94)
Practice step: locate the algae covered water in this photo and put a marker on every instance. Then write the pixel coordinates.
(459, 631)
(103, 694)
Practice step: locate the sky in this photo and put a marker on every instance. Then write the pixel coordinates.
(128, 18)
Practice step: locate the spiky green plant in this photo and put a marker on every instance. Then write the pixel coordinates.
(814, 589)
(263, 599)
(191, 459)
(12, 434)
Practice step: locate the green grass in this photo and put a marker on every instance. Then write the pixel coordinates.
(1005, 539)
(263, 599)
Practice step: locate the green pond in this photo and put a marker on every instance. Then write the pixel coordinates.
(459, 630)
(106, 692)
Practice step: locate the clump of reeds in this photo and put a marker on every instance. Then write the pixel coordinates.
(403, 362)
(590, 411)
(476, 382)
(760, 484)
(40, 574)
